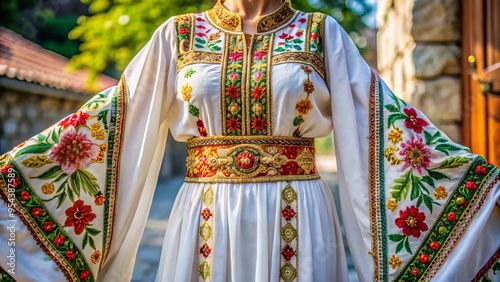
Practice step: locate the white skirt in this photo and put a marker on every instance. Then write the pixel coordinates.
(246, 232)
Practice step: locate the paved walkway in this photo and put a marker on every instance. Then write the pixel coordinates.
(148, 256)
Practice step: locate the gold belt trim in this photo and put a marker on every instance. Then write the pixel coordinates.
(245, 159)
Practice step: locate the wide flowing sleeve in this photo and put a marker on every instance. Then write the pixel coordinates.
(415, 205)
(76, 196)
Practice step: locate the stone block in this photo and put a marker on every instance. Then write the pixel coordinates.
(436, 21)
(434, 60)
(439, 99)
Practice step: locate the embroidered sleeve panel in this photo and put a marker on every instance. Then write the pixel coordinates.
(184, 27)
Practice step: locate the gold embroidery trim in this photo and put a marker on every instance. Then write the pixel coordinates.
(257, 140)
(233, 160)
(198, 57)
(230, 21)
(206, 235)
(309, 58)
(289, 235)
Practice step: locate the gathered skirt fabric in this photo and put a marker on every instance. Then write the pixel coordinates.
(247, 229)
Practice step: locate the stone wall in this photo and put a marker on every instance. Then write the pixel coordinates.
(419, 57)
(22, 115)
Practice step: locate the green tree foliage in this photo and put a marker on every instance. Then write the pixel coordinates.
(10, 10)
(118, 29)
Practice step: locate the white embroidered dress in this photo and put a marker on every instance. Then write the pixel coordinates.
(301, 75)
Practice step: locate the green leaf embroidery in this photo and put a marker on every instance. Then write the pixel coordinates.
(92, 231)
(402, 186)
(34, 149)
(193, 110)
(201, 41)
(280, 49)
(437, 175)
(199, 46)
(454, 162)
(102, 117)
(50, 173)
(392, 108)
(396, 237)
(394, 117)
(447, 147)
(297, 120)
(427, 179)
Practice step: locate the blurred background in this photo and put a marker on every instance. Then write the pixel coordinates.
(442, 56)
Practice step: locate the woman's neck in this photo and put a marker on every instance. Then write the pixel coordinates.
(250, 11)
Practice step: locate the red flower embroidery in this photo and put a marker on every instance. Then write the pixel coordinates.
(99, 200)
(206, 214)
(233, 124)
(236, 57)
(288, 213)
(183, 30)
(308, 86)
(25, 196)
(205, 250)
(414, 122)
(48, 225)
(232, 92)
(287, 252)
(245, 160)
(79, 216)
(74, 150)
(200, 19)
(411, 221)
(415, 154)
(36, 211)
(84, 275)
(201, 27)
(201, 34)
(258, 92)
(5, 169)
(470, 185)
(415, 272)
(434, 245)
(16, 183)
(78, 118)
(481, 169)
(70, 255)
(289, 37)
(314, 36)
(283, 35)
(298, 33)
(59, 240)
(424, 258)
(201, 128)
(259, 55)
(302, 20)
(306, 69)
(258, 124)
(292, 25)
(451, 216)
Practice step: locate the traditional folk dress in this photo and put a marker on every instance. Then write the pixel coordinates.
(415, 205)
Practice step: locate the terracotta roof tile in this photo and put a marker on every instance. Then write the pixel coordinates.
(24, 60)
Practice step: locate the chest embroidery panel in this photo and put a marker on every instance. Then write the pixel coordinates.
(246, 63)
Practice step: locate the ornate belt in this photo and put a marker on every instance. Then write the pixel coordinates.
(239, 159)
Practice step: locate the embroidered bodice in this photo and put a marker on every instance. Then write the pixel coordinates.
(270, 83)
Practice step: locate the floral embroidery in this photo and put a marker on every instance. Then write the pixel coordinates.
(395, 136)
(413, 122)
(189, 73)
(96, 256)
(440, 193)
(290, 42)
(73, 151)
(289, 235)
(392, 204)
(79, 216)
(183, 24)
(193, 110)
(79, 118)
(260, 97)
(304, 105)
(59, 164)
(206, 235)
(231, 87)
(411, 221)
(315, 32)
(394, 261)
(208, 42)
(416, 154)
